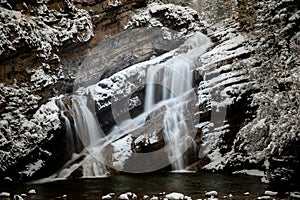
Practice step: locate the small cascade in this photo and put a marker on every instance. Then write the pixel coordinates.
(88, 130)
(86, 124)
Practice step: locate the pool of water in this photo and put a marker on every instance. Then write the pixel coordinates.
(191, 184)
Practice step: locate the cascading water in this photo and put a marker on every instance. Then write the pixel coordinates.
(175, 77)
(167, 84)
(88, 130)
(176, 80)
(86, 124)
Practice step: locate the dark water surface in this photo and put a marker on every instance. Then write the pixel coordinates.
(191, 184)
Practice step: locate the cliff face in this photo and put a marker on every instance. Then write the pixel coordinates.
(257, 75)
(248, 84)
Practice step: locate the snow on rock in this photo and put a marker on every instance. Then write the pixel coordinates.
(295, 195)
(122, 151)
(211, 194)
(35, 130)
(30, 36)
(147, 139)
(271, 193)
(265, 197)
(122, 83)
(76, 26)
(246, 193)
(154, 198)
(17, 197)
(224, 83)
(252, 68)
(175, 196)
(251, 172)
(106, 197)
(32, 168)
(32, 191)
(4, 194)
(127, 196)
(183, 19)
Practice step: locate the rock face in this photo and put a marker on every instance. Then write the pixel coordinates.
(31, 34)
(42, 45)
(247, 85)
(260, 129)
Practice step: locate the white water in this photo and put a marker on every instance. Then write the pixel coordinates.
(166, 85)
(86, 124)
(88, 130)
(175, 78)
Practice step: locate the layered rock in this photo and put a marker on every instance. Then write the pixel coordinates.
(256, 81)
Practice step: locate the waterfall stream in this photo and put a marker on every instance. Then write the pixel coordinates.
(166, 84)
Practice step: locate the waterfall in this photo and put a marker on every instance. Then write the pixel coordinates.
(88, 130)
(71, 138)
(86, 124)
(169, 81)
(176, 80)
(168, 85)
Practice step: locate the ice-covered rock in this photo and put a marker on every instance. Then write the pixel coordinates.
(4, 194)
(106, 197)
(271, 193)
(175, 196)
(211, 194)
(265, 197)
(146, 197)
(32, 191)
(18, 197)
(295, 195)
(127, 196)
